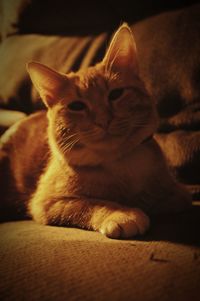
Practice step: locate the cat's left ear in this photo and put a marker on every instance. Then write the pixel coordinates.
(49, 83)
(121, 54)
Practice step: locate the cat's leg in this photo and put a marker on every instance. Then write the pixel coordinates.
(124, 223)
(109, 218)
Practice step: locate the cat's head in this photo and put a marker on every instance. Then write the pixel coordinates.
(100, 112)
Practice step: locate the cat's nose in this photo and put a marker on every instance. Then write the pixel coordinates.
(103, 122)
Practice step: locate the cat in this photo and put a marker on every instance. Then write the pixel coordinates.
(90, 160)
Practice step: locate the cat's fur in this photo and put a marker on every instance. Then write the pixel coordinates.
(92, 164)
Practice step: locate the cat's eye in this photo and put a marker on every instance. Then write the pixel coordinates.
(115, 94)
(77, 106)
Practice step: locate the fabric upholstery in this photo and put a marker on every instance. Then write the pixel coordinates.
(54, 263)
(168, 48)
(8, 118)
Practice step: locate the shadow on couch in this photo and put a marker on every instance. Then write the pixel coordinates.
(181, 228)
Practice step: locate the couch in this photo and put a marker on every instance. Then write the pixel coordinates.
(54, 263)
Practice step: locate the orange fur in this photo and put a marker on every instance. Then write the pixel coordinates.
(87, 163)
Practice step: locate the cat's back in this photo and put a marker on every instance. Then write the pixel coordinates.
(24, 153)
(26, 137)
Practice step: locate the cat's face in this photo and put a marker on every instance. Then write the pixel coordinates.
(104, 110)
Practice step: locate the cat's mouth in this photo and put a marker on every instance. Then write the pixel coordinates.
(113, 139)
(107, 137)
(130, 138)
(106, 142)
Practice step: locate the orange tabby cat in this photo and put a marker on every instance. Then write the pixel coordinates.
(91, 160)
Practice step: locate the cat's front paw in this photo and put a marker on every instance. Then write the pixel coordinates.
(125, 224)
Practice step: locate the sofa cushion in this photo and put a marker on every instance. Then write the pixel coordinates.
(53, 263)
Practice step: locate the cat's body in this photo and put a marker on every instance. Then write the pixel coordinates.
(92, 161)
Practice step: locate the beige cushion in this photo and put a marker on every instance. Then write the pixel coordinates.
(60, 264)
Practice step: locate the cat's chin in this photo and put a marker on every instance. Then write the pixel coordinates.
(84, 157)
(93, 154)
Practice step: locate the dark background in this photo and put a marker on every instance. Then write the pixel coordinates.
(85, 17)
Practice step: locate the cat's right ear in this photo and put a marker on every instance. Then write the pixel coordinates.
(121, 55)
(48, 82)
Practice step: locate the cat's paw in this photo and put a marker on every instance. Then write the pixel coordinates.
(125, 224)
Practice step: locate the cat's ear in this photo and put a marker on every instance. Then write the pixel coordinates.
(48, 82)
(121, 54)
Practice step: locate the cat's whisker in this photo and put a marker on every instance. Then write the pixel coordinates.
(95, 133)
(68, 145)
(73, 144)
(65, 145)
(69, 142)
(71, 136)
(67, 139)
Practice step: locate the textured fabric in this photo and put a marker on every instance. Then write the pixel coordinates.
(8, 118)
(168, 48)
(54, 263)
